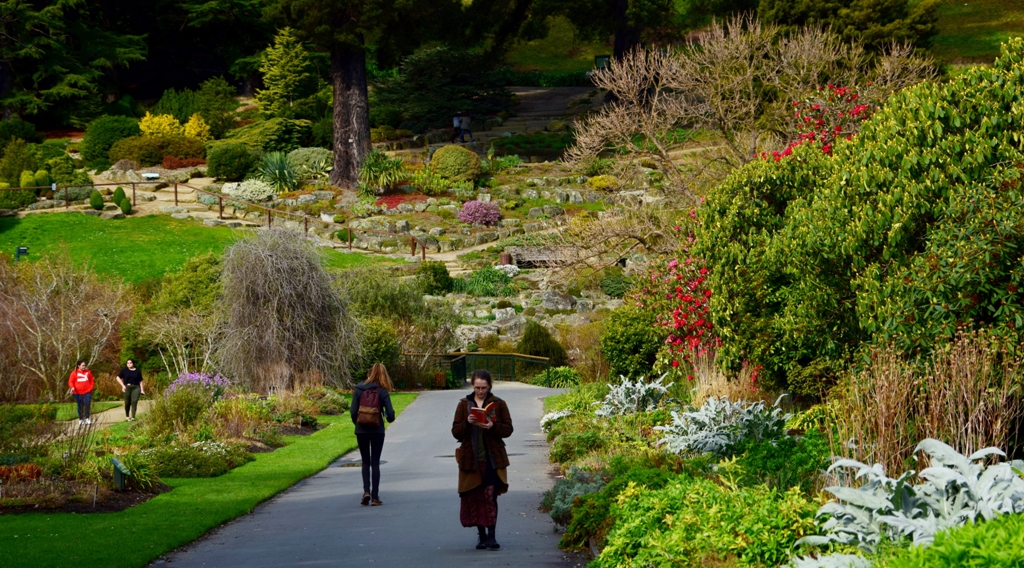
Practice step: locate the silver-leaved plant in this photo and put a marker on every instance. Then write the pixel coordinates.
(632, 396)
(720, 425)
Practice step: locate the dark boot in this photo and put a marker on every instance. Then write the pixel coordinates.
(491, 543)
(481, 543)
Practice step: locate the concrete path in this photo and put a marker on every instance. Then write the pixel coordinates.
(319, 522)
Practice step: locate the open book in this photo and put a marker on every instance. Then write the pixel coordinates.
(482, 414)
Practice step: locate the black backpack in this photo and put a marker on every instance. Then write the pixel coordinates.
(369, 408)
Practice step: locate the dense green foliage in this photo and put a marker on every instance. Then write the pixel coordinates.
(998, 543)
(380, 345)
(785, 462)
(905, 234)
(289, 76)
(434, 278)
(118, 195)
(15, 127)
(631, 341)
(539, 342)
(150, 150)
(96, 200)
(102, 133)
(486, 281)
(272, 135)
(876, 23)
(202, 459)
(456, 163)
(231, 162)
(17, 157)
(214, 101)
(698, 521)
(433, 84)
(16, 199)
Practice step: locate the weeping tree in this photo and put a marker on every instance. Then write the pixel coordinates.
(286, 323)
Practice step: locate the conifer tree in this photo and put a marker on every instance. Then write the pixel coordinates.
(288, 74)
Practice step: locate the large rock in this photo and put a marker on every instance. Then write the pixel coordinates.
(510, 222)
(212, 222)
(91, 212)
(553, 210)
(327, 216)
(401, 226)
(561, 196)
(555, 300)
(436, 232)
(173, 209)
(118, 176)
(503, 313)
(145, 197)
(406, 208)
(323, 195)
(8, 213)
(530, 194)
(304, 199)
(48, 204)
(180, 216)
(483, 197)
(112, 215)
(575, 197)
(535, 212)
(511, 328)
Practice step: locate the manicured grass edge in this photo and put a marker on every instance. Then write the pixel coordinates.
(137, 536)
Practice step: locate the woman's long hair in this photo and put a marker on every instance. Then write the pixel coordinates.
(379, 375)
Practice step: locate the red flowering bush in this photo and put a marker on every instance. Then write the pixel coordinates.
(173, 163)
(833, 113)
(480, 212)
(393, 201)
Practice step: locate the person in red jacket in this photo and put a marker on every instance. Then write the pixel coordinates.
(81, 383)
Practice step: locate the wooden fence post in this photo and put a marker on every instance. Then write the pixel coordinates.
(67, 194)
(220, 201)
(175, 194)
(268, 217)
(349, 234)
(305, 224)
(133, 195)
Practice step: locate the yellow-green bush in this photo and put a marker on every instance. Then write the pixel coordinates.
(599, 183)
(456, 163)
(160, 125)
(197, 128)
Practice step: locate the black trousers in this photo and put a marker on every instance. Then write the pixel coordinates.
(370, 447)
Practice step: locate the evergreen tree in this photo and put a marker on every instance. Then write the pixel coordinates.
(874, 23)
(288, 74)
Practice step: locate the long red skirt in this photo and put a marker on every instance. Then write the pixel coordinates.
(479, 507)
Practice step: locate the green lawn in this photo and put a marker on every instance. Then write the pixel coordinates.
(970, 31)
(557, 53)
(69, 410)
(176, 518)
(136, 248)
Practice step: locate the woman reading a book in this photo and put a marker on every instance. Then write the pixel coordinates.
(481, 423)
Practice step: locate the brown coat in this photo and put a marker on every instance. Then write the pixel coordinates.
(462, 430)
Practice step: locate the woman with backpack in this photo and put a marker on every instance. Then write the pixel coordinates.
(370, 401)
(481, 424)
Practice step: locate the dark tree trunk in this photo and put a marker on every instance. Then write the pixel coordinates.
(627, 35)
(351, 114)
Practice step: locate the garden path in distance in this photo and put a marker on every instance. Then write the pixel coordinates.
(319, 521)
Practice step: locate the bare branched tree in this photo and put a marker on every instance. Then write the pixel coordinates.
(286, 322)
(733, 84)
(186, 340)
(53, 313)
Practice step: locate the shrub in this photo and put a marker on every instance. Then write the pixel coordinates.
(456, 163)
(179, 104)
(631, 397)
(102, 133)
(631, 341)
(254, 190)
(27, 179)
(429, 183)
(485, 281)
(231, 162)
(150, 150)
(558, 378)
(379, 172)
(17, 158)
(539, 342)
(41, 178)
(502, 163)
(201, 459)
(599, 183)
(15, 127)
(322, 134)
(118, 195)
(434, 278)
(197, 128)
(846, 263)
(789, 461)
(126, 206)
(278, 172)
(141, 473)
(380, 345)
(96, 200)
(304, 160)
(720, 427)
(993, 544)
(16, 199)
(272, 135)
(480, 212)
(571, 446)
(172, 163)
(710, 523)
(160, 125)
(62, 170)
(615, 285)
(559, 499)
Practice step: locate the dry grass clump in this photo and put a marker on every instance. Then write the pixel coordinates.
(711, 381)
(966, 394)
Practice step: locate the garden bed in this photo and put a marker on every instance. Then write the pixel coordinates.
(107, 501)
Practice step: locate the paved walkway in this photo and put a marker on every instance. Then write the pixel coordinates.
(319, 522)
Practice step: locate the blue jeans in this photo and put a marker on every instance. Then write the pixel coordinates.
(84, 402)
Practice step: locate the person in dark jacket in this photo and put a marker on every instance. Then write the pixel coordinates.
(130, 379)
(371, 438)
(482, 458)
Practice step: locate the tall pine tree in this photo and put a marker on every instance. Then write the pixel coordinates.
(288, 75)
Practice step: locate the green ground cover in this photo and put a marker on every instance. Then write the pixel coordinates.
(559, 52)
(178, 517)
(970, 32)
(136, 248)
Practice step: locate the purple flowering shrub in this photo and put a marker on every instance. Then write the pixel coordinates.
(480, 212)
(215, 385)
